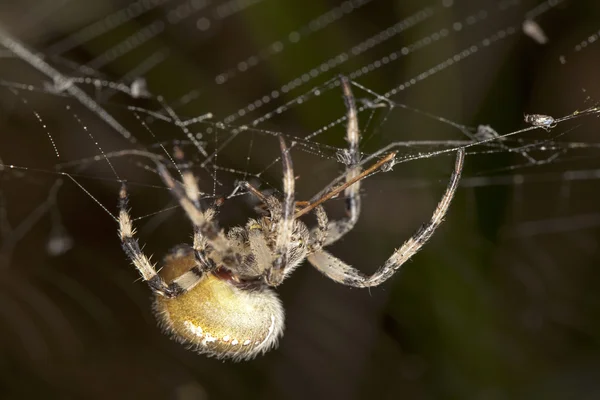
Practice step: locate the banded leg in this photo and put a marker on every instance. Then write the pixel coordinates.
(345, 274)
(285, 225)
(318, 235)
(339, 228)
(192, 191)
(132, 248)
(203, 222)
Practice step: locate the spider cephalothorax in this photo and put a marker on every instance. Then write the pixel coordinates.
(217, 295)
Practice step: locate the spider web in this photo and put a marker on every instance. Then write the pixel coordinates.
(90, 92)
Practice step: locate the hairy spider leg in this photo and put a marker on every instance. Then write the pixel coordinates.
(192, 191)
(337, 229)
(285, 224)
(202, 223)
(339, 271)
(318, 236)
(148, 271)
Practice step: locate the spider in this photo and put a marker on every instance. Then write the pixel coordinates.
(217, 295)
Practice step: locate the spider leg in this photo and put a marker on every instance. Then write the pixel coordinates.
(285, 225)
(202, 221)
(339, 228)
(132, 248)
(189, 180)
(192, 191)
(343, 273)
(318, 236)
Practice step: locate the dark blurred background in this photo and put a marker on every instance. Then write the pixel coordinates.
(501, 304)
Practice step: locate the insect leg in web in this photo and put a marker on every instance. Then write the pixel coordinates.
(381, 164)
(257, 193)
(339, 271)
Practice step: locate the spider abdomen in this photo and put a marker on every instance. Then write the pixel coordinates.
(219, 319)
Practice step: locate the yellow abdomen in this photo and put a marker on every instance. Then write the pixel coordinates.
(219, 319)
